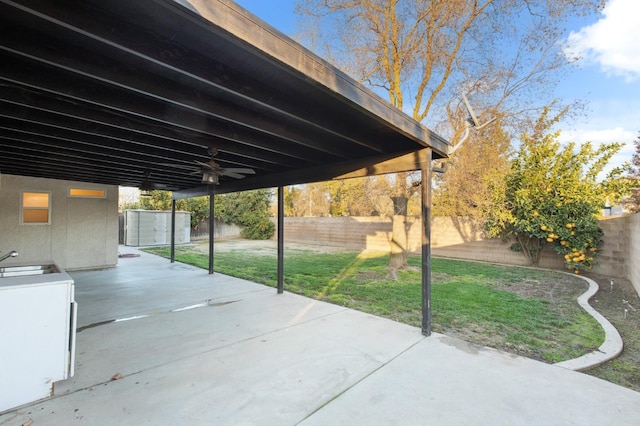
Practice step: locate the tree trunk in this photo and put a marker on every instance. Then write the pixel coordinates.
(399, 237)
(531, 247)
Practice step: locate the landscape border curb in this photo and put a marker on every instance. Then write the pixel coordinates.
(611, 347)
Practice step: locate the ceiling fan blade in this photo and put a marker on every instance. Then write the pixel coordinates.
(211, 167)
(232, 174)
(244, 171)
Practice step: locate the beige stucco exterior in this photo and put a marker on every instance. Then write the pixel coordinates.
(82, 234)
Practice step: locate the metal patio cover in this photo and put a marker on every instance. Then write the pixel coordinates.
(116, 91)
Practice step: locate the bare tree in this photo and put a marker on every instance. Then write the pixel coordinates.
(465, 189)
(358, 196)
(377, 189)
(422, 54)
(293, 201)
(317, 198)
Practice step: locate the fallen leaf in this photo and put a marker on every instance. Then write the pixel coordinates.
(117, 376)
(28, 423)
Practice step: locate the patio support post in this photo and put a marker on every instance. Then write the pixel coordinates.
(211, 230)
(173, 230)
(280, 240)
(426, 244)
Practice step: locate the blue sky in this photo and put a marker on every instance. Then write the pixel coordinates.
(607, 76)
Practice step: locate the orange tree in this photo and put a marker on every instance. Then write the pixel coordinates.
(552, 196)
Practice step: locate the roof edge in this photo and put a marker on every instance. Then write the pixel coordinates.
(258, 34)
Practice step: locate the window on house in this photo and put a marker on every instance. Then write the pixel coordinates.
(36, 208)
(87, 193)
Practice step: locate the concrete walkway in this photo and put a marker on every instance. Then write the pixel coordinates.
(242, 355)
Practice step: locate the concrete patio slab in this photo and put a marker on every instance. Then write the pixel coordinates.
(243, 355)
(445, 381)
(147, 284)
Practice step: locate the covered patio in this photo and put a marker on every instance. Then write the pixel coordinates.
(194, 97)
(136, 94)
(191, 348)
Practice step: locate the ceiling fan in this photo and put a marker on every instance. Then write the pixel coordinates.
(147, 186)
(211, 171)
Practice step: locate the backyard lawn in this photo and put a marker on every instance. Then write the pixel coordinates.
(521, 310)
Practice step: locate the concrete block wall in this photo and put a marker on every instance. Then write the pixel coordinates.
(632, 227)
(451, 237)
(83, 233)
(350, 232)
(464, 239)
(613, 258)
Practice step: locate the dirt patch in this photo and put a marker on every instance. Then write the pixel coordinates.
(368, 275)
(264, 247)
(549, 290)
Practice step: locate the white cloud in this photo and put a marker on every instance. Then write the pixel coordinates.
(598, 137)
(612, 41)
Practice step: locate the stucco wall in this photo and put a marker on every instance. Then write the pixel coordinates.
(464, 239)
(83, 233)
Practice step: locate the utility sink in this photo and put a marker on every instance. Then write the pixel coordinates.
(20, 271)
(32, 273)
(37, 330)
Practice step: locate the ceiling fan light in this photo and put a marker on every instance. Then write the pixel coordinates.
(209, 178)
(146, 188)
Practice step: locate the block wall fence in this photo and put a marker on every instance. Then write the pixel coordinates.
(462, 238)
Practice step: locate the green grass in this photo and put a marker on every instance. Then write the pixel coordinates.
(471, 300)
